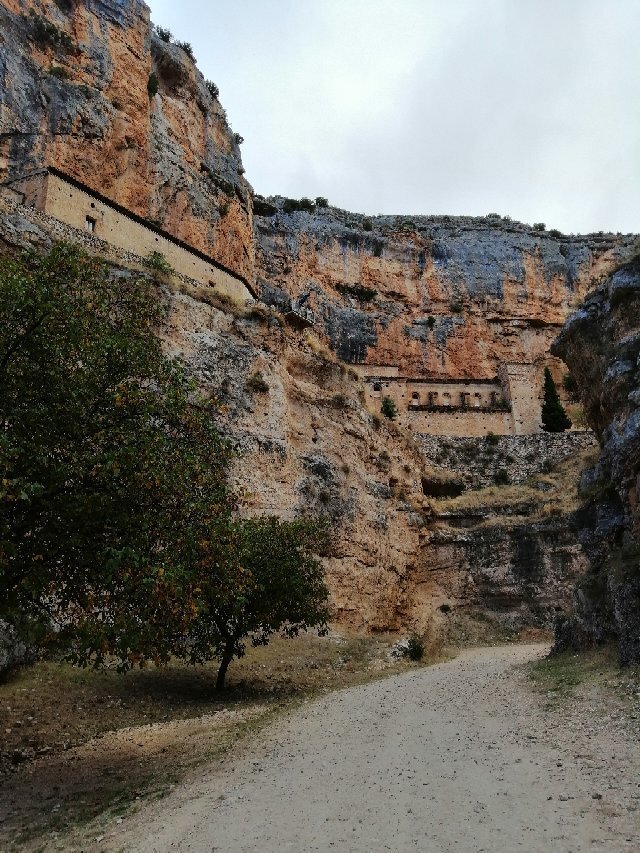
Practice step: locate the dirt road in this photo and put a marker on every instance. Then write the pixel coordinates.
(456, 757)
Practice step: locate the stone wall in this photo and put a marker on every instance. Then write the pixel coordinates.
(478, 462)
(83, 211)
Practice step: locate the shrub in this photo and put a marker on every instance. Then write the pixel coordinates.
(187, 48)
(414, 649)
(367, 223)
(555, 233)
(212, 88)
(59, 72)
(256, 383)
(290, 205)
(389, 408)
(152, 85)
(45, 34)
(492, 439)
(307, 204)
(339, 401)
(539, 226)
(501, 477)
(456, 307)
(238, 139)
(164, 34)
(431, 321)
(378, 248)
(157, 261)
(321, 201)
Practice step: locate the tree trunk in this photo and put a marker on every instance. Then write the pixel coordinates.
(226, 659)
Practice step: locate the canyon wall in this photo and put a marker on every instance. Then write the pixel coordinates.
(449, 297)
(601, 345)
(306, 444)
(74, 93)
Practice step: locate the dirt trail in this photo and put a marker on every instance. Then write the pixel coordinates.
(459, 756)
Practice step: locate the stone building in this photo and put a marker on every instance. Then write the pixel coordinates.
(506, 405)
(58, 195)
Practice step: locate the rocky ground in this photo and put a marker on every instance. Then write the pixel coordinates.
(464, 755)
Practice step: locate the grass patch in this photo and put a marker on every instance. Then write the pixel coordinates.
(559, 675)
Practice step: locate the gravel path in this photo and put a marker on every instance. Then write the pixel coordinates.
(455, 757)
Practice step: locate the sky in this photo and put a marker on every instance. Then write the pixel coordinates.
(527, 108)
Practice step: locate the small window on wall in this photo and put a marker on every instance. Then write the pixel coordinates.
(90, 225)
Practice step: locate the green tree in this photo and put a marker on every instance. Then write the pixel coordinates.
(554, 417)
(116, 522)
(389, 408)
(111, 468)
(274, 583)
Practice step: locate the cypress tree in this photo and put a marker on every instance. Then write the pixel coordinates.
(554, 417)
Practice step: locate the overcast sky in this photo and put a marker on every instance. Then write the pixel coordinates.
(523, 107)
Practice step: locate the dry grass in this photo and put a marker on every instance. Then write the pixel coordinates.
(94, 742)
(552, 493)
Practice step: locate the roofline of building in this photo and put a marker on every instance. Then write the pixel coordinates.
(52, 170)
(427, 380)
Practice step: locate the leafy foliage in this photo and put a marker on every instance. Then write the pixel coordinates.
(116, 522)
(187, 48)
(389, 408)
(554, 417)
(213, 89)
(157, 261)
(276, 585)
(45, 34)
(291, 205)
(164, 34)
(257, 383)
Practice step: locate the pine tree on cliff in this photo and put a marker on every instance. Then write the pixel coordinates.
(554, 417)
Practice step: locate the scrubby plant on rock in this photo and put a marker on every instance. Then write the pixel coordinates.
(389, 408)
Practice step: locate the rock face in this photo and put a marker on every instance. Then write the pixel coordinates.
(440, 296)
(517, 575)
(77, 93)
(601, 345)
(448, 297)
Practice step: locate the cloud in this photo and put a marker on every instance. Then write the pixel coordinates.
(409, 106)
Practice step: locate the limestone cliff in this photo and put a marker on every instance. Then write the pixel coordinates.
(76, 92)
(307, 445)
(601, 345)
(444, 296)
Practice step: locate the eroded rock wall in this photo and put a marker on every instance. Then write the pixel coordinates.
(440, 296)
(601, 345)
(76, 96)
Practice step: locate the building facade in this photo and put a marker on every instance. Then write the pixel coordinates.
(66, 199)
